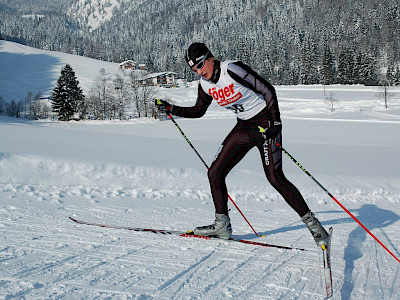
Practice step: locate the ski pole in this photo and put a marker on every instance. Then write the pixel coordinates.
(205, 164)
(340, 204)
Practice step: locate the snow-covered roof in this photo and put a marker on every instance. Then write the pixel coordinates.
(127, 62)
(153, 75)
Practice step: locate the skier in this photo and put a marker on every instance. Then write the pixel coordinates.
(235, 86)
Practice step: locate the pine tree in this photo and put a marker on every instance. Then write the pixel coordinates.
(391, 75)
(345, 69)
(67, 96)
(365, 69)
(397, 76)
(2, 105)
(308, 66)
(328, 66)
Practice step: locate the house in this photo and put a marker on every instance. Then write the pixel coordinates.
(142, 67)
(163, 79)
(128, 65)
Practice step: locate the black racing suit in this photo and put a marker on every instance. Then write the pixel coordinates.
(243, 137)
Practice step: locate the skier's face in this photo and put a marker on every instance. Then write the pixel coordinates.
(204, 69)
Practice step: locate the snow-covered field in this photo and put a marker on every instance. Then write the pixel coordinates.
(142, 173)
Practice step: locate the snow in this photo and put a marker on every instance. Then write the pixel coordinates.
(142, 173)
(25, 69)
(93, 13)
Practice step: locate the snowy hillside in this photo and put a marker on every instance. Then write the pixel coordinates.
(93, 13)
(142, 173)
(26, 69)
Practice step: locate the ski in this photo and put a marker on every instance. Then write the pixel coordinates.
(327, 266)
(188, 234)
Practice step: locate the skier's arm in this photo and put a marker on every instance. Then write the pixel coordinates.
(246, 76)
(196, 111)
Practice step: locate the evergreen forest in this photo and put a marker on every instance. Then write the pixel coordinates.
(287, 41)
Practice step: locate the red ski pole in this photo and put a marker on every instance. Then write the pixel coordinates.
(340, 204)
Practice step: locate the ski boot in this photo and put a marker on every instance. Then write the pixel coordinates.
(318, 232)
(221, 228)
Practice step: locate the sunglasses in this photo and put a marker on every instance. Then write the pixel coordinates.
(200, 65)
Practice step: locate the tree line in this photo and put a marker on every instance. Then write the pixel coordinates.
(32, 107)
(123, 96)
(287, 42)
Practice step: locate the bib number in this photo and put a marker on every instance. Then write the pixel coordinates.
(236, 108)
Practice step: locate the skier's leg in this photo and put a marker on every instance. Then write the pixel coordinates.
(232, 150)
(272, 163)
(271, 156)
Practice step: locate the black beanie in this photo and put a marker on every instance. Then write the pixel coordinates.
(196, 53)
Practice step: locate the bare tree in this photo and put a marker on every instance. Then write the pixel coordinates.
(135, 84)
(121, 95)
(38, 108)
(148, 94)
(142, 93)
(331, 102)
(385, 94)
(99, 99)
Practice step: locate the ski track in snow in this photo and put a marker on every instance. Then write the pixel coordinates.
(44, 255)
(70, 260)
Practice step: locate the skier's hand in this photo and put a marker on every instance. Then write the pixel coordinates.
(272, 132)
(163, 106)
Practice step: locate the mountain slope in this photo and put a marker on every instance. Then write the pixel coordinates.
(26, 69)
(288, 42)
(91, 14)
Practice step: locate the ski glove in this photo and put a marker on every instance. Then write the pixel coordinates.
(272, 132)
(163, 106)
